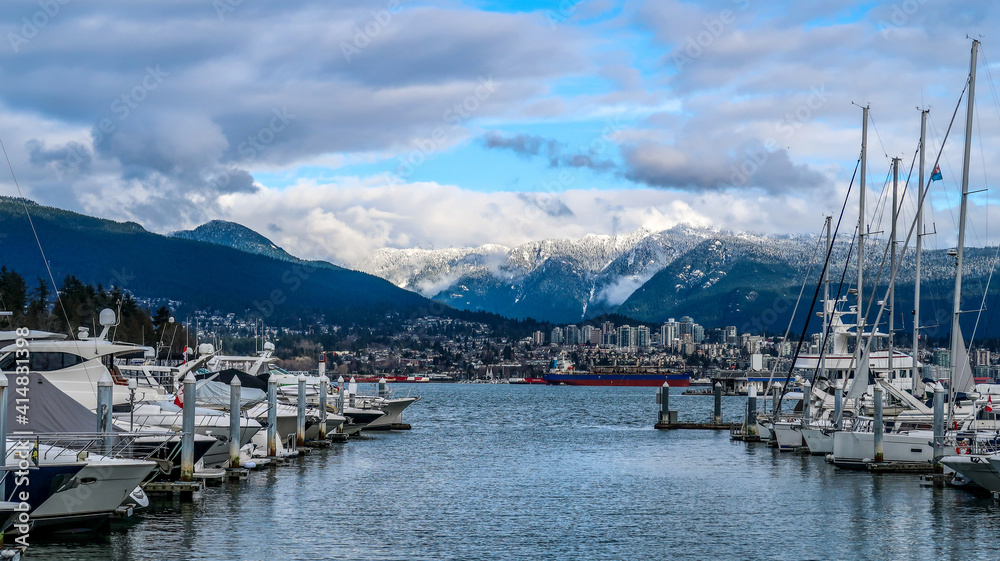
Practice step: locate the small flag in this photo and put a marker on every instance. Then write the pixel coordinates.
(989, 404)
(179, 397)
(936, 174)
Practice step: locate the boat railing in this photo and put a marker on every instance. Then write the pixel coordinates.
(77, 446)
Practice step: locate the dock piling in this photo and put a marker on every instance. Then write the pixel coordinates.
(838, 404)
(324, 383)
(300, 424)
(272, 417)
(105, 399)
(717, 418)
(806, 398)
(235, 389)
(878, 429)
(663, 398)
(3, 427)
(187, 428)
(751, 416)
(383, 389)
(939, 393)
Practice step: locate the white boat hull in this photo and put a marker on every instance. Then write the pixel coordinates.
(856, 449)
(788, 435)
(819, 442)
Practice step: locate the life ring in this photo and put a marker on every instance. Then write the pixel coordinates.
(962, 449)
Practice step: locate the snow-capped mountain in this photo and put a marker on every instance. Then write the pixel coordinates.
(718, 277)
(559, 280)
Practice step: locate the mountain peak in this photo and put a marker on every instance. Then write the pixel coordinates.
(237, 236)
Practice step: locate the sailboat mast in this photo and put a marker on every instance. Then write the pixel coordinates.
(861, 221)
(915, 385)
(826, 301)
(956, 332)
(859, 315)
(891, 305)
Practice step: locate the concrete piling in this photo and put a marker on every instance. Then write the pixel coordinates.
(300, 424)
(878, 428)
(751, 416)
(939, 395)
(187, 429)
(3, 428)
(324, 384)
(235, 391)
(838, 404)
(105, 399)
(272, 417)
(806, 398)
(717, 417)
(664, 400)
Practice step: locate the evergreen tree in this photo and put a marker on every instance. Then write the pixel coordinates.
(13, 293)
(38, 316)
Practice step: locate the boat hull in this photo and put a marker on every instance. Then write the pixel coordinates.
(857, 449)
(977, 469)
(819, 442)
(788, 435)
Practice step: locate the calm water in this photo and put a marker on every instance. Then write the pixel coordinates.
(534, 472)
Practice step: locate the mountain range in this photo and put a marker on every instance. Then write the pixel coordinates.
(236, 271)
(718, 277)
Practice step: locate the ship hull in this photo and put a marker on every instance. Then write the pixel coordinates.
(641, 380)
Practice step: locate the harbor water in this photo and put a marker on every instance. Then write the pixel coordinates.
(536, 472)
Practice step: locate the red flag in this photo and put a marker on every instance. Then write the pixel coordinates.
(178, 397)
(989, 404)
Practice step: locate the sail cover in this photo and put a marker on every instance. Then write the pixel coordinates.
(962, 379)
(860, 383)
(48, 409)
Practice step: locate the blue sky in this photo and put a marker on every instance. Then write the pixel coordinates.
(340, 128)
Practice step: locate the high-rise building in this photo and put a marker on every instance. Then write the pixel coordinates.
(669, 332)
(626, 337)
(697, 333)
(686, 324)
(596, 337)
(642, 336)
(557, 336)
(731, 335)
(608, 333)
(585, 334)
(572, 335)
(538, 338)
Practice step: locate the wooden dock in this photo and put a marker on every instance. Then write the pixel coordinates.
(173, 487)
(901, 467)
(692, 426)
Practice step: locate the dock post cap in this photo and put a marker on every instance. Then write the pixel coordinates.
(718, 384)
(324, 380)
(236, 381)
(302, 377)
(105, 380)
(189, 379)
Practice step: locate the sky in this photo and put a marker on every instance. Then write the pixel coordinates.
(338, 128)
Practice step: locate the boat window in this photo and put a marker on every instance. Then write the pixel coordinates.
(7, 362)
(46, 362)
